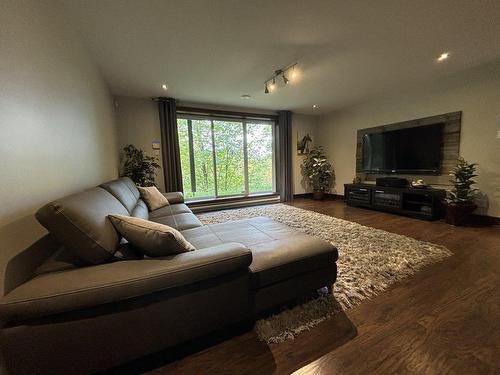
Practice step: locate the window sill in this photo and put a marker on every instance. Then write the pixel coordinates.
(200, 205)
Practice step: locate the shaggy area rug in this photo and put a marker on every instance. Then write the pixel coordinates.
(370, 260)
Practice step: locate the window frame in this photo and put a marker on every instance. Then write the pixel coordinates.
(244, 122)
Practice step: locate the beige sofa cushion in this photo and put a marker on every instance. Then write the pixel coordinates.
(153, 198)
(154, 239)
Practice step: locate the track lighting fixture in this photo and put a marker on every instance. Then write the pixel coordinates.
(270, 84)
(273, 85)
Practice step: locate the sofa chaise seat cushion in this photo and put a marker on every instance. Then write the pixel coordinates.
(180, 222)
(88, 287)
(278, 251)
(173, 209)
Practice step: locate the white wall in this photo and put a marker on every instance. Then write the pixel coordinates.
(57, 131)
(138, 124)
(476, 93)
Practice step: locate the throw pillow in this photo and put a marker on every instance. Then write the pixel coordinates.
(153, 239)
(153, 198)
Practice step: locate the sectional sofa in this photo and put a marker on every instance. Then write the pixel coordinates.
(82, 299)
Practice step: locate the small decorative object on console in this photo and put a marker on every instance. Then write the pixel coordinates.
(419, 184)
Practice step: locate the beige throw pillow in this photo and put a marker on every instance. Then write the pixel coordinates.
(153, 239)
(153, 198)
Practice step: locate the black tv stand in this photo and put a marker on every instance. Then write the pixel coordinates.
(418, 203)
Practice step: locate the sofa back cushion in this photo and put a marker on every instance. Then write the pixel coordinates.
(80, 222)
(124, 190)
(140, 210)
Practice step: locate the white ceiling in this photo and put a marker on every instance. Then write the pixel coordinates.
(347, 51)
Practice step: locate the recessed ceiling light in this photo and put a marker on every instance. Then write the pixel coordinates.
(164, 87)
(443, 56)
(315, 106)
(245, 96)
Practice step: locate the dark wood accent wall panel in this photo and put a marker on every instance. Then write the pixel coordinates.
(450, 151)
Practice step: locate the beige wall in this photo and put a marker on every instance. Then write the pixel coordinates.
(476, 93)
(57, 131)
(302, 124)
(138, 124)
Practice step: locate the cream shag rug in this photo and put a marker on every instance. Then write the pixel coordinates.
(370, 260)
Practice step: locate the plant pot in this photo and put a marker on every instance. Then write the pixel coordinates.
(459, 214)
(318, 195)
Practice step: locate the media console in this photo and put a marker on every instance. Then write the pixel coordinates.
(418, 203)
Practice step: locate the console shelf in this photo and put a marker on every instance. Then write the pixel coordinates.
(418, 203)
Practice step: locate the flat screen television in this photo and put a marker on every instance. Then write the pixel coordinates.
(414, 150)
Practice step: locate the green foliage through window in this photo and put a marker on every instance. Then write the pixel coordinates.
(225, 157)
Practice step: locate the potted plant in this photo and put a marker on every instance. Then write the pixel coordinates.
(141, 168)
(318, 171)
(460, 201)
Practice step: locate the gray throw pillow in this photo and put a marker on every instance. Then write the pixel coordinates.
(153, 239)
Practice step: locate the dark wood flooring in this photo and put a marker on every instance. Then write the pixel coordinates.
(443, 320)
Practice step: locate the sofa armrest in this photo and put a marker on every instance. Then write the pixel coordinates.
(96, 285)
(174, 197)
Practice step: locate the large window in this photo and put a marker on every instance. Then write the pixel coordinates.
(226, 157)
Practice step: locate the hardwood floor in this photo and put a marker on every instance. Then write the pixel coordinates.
(443, 320)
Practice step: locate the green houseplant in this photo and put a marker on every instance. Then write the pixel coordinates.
(318, 171)
(460, 200)
(141, 168)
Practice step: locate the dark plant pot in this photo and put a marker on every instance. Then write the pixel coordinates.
(459, 214)
(318, 195)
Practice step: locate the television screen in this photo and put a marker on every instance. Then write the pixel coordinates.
(411, 150)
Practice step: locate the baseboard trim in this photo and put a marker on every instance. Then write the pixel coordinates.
(215, 205)
(328, 196)
(485, 219)
(303, 195)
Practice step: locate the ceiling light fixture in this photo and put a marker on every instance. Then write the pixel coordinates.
(273, 85)
(315, 106)
(164, 87)
(270, 84)
(443, 56)
(245, 96)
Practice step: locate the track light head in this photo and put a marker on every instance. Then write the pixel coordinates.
(266, 91)
(273, 85)
(286, 80)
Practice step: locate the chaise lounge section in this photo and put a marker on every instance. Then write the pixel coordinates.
(82, 299)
